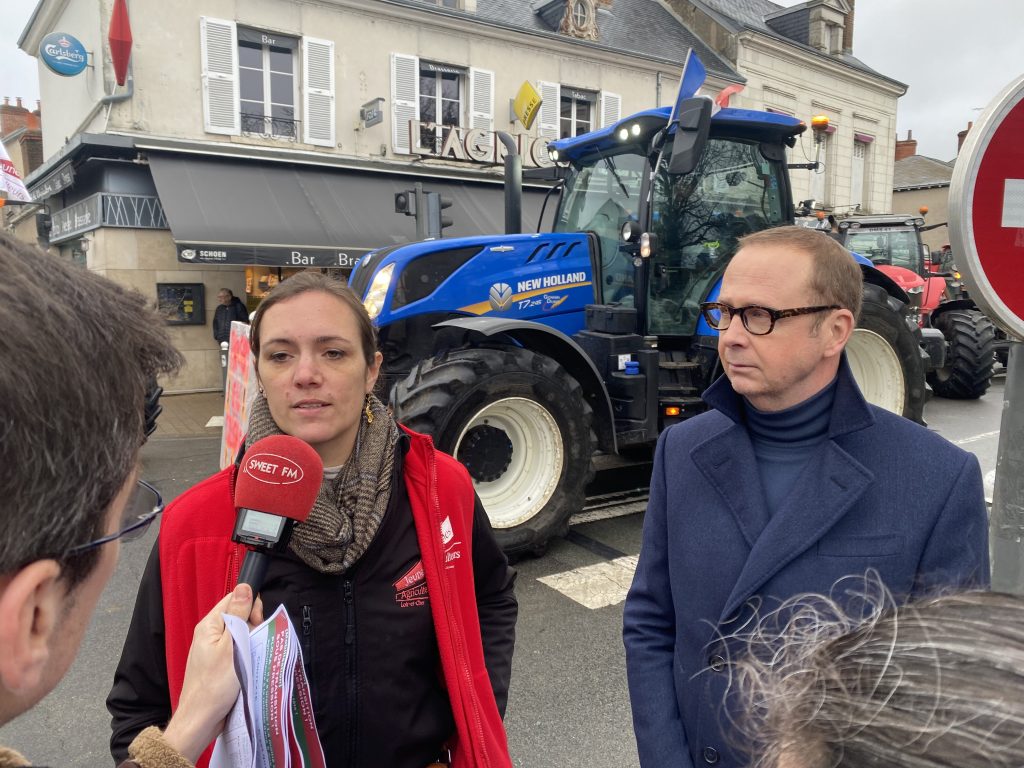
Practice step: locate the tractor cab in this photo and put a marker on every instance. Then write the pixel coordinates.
(681, 220)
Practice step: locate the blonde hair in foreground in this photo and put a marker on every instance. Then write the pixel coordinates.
(939, 682)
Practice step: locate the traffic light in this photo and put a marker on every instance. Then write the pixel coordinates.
(436, 221)
(405, 202)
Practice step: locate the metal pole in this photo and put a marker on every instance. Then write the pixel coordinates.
(1006, 529)
(223, 366)
(421, 211)
(513, 185)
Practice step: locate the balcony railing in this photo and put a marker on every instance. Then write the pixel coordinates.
(276, 127)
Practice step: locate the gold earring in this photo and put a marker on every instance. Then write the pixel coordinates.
(369, 412)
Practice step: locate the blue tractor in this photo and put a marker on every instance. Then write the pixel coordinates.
(524, 354)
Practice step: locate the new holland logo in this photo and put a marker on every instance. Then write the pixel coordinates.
(500, 296)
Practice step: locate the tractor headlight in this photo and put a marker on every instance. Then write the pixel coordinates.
(374, 301)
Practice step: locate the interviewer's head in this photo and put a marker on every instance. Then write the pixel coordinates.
(933, 684)
(80, 354)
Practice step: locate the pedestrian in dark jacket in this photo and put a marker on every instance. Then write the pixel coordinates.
(230, 309)
(402, 600)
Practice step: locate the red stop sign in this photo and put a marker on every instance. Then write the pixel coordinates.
(986, 205)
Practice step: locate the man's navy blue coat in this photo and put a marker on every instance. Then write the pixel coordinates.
(881, 493)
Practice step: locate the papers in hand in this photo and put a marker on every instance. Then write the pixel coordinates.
(271, 725)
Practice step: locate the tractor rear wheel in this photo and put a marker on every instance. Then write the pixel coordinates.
(885, 356)
(520, 425)
(970, 354)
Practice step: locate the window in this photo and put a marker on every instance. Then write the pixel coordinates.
(252, 81)
(567, 111)
(821, 178)
(266, 81)
(579, 14)
(441, 95)
(577, 112)
(447, 96)
(699, 219)
(858, 181)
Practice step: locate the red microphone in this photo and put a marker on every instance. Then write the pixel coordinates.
(276, 486)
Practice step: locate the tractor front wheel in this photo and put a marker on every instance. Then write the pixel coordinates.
(520, 425)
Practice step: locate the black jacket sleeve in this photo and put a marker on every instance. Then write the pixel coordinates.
(140, 695)
(496, 604)
(239, 311)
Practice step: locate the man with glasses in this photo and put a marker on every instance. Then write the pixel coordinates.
(78, 397)
(790, 482)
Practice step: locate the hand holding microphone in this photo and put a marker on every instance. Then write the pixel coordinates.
(276, 486)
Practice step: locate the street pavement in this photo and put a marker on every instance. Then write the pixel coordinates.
(568, 705)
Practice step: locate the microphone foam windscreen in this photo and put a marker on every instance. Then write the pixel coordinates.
(279, 475)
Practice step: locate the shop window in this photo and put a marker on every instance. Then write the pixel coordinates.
(577, 112)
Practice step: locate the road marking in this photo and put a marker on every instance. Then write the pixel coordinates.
(215, 421)
(595, 586)
(607, 513)
(976, 438)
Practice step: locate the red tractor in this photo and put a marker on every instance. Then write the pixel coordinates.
(893, 243)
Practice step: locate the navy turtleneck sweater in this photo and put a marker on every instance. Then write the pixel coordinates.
(784, 441)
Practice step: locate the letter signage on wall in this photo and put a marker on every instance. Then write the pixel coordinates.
(63, 53)
(478, 146)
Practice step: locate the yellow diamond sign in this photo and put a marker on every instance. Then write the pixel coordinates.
(526, 104)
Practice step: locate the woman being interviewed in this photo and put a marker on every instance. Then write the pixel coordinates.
(401, 598)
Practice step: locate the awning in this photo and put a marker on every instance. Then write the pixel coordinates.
(240, 212)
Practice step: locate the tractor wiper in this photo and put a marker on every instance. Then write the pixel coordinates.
(610, 162)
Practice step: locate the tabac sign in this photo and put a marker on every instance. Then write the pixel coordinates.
(475, 145)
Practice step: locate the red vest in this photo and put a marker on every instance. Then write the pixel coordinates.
(199, 564)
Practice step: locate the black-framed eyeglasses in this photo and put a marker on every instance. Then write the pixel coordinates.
(760, 321)
(141, 510)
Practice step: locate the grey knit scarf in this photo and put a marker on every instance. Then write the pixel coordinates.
(349, 509)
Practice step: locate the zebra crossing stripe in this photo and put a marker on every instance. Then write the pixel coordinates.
(595, 586)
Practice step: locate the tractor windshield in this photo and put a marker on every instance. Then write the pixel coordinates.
(601, 194)
(897, 247)
(698, 219)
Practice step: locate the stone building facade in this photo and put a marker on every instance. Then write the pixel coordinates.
(800, 61)
(253, 139)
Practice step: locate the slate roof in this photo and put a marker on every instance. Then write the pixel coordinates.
(792, 27)
(640, 27)
(919, 171)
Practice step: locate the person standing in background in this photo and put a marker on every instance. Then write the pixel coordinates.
(228, 310)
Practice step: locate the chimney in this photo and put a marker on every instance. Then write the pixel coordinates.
(960, 137)
(906, 147)
(848, 31)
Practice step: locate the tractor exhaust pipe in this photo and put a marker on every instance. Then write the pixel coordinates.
(513, 185)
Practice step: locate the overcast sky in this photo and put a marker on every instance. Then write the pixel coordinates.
(955, 56)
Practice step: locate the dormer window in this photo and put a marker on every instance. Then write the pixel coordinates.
(580, 17)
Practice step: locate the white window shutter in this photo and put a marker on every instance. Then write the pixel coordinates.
(405, 99)
(860, 151)
(318, 91)
(219, 51)
(550, 108)
(611, 108)
(481, 99)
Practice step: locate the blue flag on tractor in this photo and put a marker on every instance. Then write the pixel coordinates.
(692, 79)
